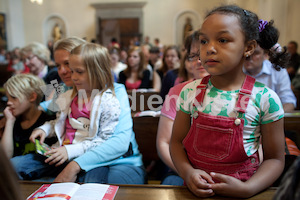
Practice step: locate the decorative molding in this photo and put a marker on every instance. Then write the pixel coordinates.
(177, 28)
(119, 5)
(49, 23)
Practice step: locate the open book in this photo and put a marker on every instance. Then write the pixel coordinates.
(74, 191)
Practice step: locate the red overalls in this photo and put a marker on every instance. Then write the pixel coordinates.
(215, 143)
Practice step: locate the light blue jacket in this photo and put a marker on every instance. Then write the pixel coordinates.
(112, 150)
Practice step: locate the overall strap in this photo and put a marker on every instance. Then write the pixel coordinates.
(245, 94)
(202, 86)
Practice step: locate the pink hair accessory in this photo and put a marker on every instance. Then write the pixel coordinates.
(276, 48)
(262, 25)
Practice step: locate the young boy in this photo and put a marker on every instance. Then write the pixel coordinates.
(22, 114)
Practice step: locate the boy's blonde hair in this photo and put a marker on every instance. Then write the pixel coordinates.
(97, 62)
(22, 86)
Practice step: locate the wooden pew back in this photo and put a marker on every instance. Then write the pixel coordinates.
(145, 129)
(141, 101)
(297, 94)
(292, 123)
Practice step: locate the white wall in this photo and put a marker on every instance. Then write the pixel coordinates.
(159, 17)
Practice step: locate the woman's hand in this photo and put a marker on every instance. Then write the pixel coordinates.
(58, 156)
(200, 183)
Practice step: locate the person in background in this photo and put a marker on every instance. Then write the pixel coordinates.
(154, 58)
(36, 56)
(114, 44)
(17, 56)
(145, 50)
(136, 41)
(185, 72)
(230, 110)
(168, 111)
(171, 60)
(123, 56)
(154, 77)
(22, 114)
(147, 42)
(158, 44)
(258, 66)
(17, 64)
(3, 59)
(294, 61)
(169, 69)
(135, 76)
(117, 66)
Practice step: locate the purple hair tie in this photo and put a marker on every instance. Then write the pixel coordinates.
(262, 25)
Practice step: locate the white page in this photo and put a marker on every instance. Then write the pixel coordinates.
(63, 188)
(90, 191)
(60, 188)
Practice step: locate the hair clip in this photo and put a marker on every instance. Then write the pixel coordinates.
(262, 24)
(246, 13)
(276, 48)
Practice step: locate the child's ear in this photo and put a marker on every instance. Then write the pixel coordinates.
(33, 97)
(250, 47)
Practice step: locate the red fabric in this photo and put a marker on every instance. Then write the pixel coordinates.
(131, 86)
(291, 147)
(26, 69)
(215, 143)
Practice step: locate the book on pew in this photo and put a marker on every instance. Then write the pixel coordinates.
(75, 191)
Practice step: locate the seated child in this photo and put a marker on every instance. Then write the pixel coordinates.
(88, 114)
(22, 113)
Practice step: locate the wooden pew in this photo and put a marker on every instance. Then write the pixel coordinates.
(292, 123)
(144, 100)
(145, 129)
(297, 94)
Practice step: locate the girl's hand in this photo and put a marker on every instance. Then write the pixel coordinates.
(58, 156)
(229, 186)
(8, 115)
(38, 133)
(200, 183)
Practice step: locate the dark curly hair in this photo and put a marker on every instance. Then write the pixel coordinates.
(266, 39)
